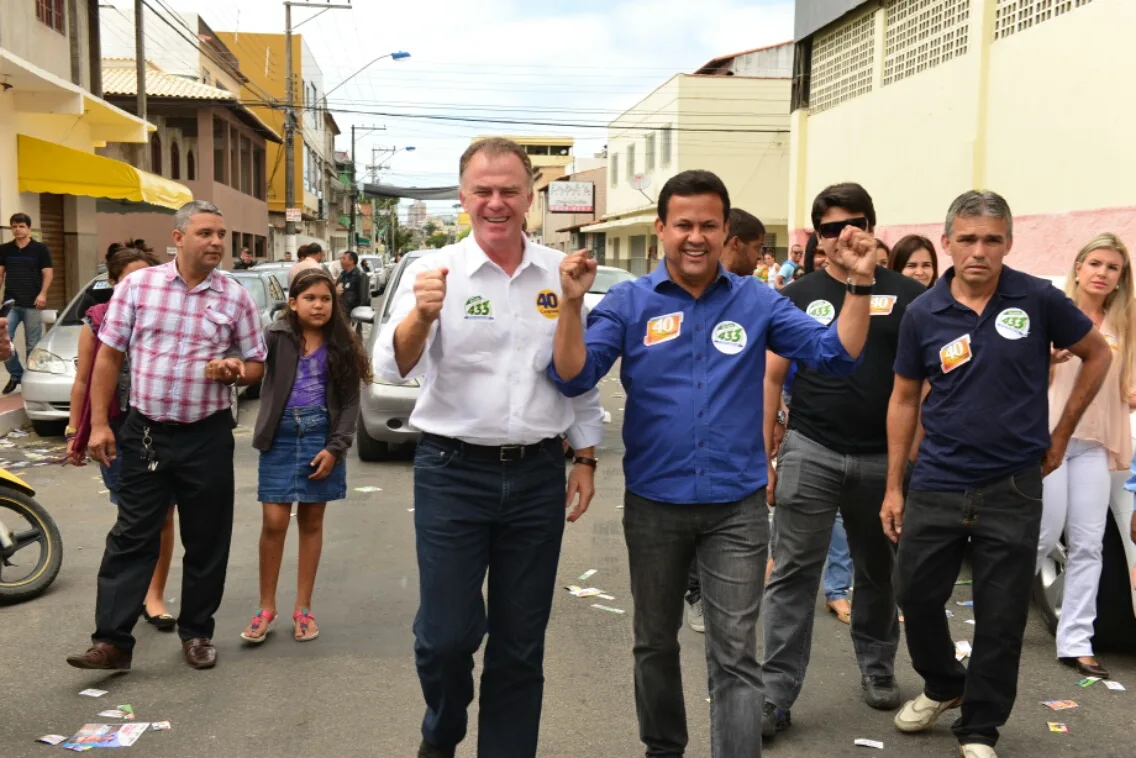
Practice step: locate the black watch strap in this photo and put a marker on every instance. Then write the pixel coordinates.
(585, 460)
(860, 289)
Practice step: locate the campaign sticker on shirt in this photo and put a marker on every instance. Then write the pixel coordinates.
(729, 337)
(548, 303)
(822, 310)
(954, 354)
(663, 329)
(478, 308)
(1013, 323)
(883, 305)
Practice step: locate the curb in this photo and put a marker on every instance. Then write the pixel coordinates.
(13, 419)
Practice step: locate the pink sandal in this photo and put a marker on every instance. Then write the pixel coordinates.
(305, 619)
(261, 616)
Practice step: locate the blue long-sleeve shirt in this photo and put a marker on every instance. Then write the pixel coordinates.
(1130, 484)
(693, 372)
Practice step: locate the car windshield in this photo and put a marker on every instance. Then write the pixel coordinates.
(256, 288)
(606, 278)
(73, 316)
(397, 277)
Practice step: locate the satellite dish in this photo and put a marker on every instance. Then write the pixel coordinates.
(640, 181)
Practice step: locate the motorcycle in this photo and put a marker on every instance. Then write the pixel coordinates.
(38, 546)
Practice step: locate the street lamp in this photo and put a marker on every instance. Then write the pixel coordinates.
(398, 56)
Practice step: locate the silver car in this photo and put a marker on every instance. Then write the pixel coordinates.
(50, 373)
(385, 408)
(377, 271)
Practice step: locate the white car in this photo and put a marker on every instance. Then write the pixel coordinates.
(606, 278)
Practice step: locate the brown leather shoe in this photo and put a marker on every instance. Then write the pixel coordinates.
(102, 655)
(200, 653)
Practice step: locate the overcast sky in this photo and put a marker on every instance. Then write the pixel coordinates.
(581, 62)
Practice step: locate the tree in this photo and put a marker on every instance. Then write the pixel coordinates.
(438, 239)
(463, 234)
(429, 228)
(405, 239)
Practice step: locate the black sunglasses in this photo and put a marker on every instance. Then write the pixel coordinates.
(832, 229)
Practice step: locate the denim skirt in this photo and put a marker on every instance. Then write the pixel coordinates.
(286, 466)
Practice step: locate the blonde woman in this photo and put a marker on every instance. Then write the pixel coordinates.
(1076, 495)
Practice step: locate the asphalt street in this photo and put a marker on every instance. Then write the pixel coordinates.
(353, 692)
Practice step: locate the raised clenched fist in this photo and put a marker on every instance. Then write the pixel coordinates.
(856, 251)
(577, 275)
(430, 293)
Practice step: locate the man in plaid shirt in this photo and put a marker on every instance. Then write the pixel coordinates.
(192, 333)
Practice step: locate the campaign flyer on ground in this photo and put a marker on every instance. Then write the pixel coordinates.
(106, 735)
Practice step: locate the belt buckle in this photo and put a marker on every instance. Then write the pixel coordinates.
(511, 453)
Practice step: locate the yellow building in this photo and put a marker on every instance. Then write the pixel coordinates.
(920, 100)
(734, 125)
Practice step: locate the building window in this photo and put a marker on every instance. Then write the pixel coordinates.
(234, 158)
(630, 161)
(258, 175)
(219, 140)
(155, 153)
(1019, 15)
(921, 35)
(665, 145)
(190, 166)
(260, 246)
(614, 170)
(175, 161)
(246, 166)
(649, 153)
(843, 62)
(50, 12)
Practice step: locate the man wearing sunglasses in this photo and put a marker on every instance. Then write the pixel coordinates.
(789, 267)
(833, 459)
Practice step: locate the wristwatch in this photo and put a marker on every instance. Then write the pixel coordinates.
(583, 460)
(860, 289)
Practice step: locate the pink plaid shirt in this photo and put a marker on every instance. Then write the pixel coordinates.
(172, 332)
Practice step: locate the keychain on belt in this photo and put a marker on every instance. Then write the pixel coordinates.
(148, 453)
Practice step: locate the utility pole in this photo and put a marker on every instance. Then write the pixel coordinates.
(354, 182)
(290, 119)
(140, 69)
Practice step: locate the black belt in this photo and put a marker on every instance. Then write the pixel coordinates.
(498, 453)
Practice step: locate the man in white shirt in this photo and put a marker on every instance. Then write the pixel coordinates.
(474, 323)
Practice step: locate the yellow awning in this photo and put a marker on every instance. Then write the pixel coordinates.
(48, 167)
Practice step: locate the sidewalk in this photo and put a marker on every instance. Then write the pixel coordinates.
(12, 414)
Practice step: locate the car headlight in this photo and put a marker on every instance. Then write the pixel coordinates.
(384, 382)
(48, 363)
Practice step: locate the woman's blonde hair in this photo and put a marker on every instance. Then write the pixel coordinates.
(1118, 311)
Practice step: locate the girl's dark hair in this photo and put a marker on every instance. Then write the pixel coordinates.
(906, 247)
(347, 362)
(140, 245)
(881, 245)
(113, 248)
(123, 257)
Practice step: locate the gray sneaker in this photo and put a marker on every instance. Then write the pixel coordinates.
(694, 617)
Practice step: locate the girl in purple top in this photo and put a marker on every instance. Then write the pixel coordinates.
(309, 403)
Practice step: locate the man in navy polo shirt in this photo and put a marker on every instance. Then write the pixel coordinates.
(693, 339)
(982, 337)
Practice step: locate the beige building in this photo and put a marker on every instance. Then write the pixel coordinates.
(921, 100)
(551, 157)
(562, 230)
(52, 118)
(732, 124)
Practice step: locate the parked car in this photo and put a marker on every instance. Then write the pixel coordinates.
(378, 272)
(50, 372)
(385, 408)
(278, 269)
(606, 278)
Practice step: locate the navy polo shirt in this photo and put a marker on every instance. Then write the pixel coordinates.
(987, 415)
(693, 371)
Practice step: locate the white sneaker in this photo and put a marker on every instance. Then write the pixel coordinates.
(922, 713)
(975, 750)
(694, 617)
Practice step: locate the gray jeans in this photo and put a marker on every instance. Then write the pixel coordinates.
(730, 542)
(813, 483)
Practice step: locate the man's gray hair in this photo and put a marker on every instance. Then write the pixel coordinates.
(192, 208)
(976, 203)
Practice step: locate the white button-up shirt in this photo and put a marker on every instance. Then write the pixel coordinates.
(483, 371)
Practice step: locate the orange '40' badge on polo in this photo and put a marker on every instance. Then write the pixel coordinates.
(663, 329)
(954, 354)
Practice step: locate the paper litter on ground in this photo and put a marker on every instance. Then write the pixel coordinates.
(588, 592)
(119, 713)
(607, 417)
(607, 608)
(965, 603)
(410, 510)
(1088, 681)
(160, 726)
(962, 649)
(106, 735)
(368, 489)
(969, 621)
(51, 739)
(93, 693)
(605, 597)
(17, 433)
(950, 613)
(1058, 727)
(587, 575)
(1059, 705)
(869, 743)
(962, 582)
(1116, 686)
(104, 492)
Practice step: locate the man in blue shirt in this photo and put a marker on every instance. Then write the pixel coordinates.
(692, 340)
(982, 337)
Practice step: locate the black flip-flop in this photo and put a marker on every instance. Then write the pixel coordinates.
(163, 622)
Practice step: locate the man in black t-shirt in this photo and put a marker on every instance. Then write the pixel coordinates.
(833, 458)
(25, 270)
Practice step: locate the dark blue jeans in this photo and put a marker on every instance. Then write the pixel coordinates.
(472, 516)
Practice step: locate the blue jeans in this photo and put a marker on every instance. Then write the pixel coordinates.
(473, 515)
(729, 541)
(32, 319)
(838, 569)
